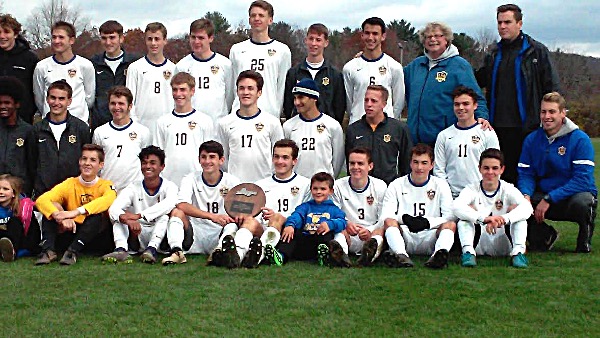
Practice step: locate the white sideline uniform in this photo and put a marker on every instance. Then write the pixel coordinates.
(475, 204)
(154, 208)
(195, 191)
(248, 144)
(361, 72)
(150, 85)
(432, 200)
(457, 152)
(272, 60)
(214, 92)
(122, 145)
(362, 207)
(80, 75)
(321, 143)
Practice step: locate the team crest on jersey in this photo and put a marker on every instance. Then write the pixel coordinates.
(321, 128)
(132, 135)
(441, 76)
(271, 52)
(562, 150)
(387, 138)
(192, 125)
(431, 194)
(214, 69)
(382, 70)
(167, 74)
(475, 139)
(294, 190)
(20, 142)
(370, 199)
(72, 72)
(259, 126)
(85, 198)
(223, 191)
(325, 81)
(72, 138)
(499, 204)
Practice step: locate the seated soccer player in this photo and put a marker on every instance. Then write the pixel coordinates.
(486, 225)
(142, 210)
(360, 196)
(417, 214)
(309, 230)
(75, 207)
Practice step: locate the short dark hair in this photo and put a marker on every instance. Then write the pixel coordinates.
(9, 21)
(287, 143)
(510, 8)
(361, 150)
(463, 90)
(319, 29)
(251, 74)
(61, 85)
(66, 26)
(322, 177)
(212, 147)
(152, 150)
(374, 21)
(94, 147)
(422, 148)
(492, 153)
(203, 25)
(155, 27)
(120, 91)
(111, 26)
(379, 88)
(13, 87)
(264, 5)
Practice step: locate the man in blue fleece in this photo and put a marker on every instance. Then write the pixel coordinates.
(556, 173)
(309, 230)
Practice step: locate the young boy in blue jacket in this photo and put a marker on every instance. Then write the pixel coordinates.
(309, 230)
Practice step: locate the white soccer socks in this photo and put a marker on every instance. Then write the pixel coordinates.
(175, 233)
(379, 240)
(466, 233)
(518, 233)
(228, 229)
(444, 241)
(395, 241)
(340, 238)
(242, 241)
(120, 234)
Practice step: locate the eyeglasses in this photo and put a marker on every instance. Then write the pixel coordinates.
(436, 36)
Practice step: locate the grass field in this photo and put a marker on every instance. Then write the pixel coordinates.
(559, 295)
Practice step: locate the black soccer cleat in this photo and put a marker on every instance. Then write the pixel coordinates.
(252, 257)
(439, 260)
(397, 261)
(215, 258)
(337, 256)
(231, 259)
(367, 253)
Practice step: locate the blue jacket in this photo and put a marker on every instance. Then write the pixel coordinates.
(429, 94)
(561, 166)
(311, 212)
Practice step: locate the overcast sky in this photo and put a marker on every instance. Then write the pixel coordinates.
(565, 24)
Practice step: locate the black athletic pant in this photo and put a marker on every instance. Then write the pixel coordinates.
(85, 233)
(511, 143)
(303, 247)
(13, 230)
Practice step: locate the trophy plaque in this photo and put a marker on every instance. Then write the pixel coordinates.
(245, 199)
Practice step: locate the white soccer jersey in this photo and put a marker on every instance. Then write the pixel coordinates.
(272, 60)
(474, 203)
(321, 143)
(283, 196)
(457, 152)
(432, 200)
(150, 85)
(180, 136)
(122, 145)
(214, 92)
(361, 72)
(210, 198)
(80, 75)
(361, 206)
(248, 144)
(136, 199)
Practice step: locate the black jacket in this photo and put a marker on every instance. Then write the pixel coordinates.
(20, 62)
(332, 94)
(14, 156)
(390, 144)
(105, 79)
(50, 164)
(539, 75)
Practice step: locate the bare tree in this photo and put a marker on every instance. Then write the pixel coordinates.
(485, 37)
(38, 24)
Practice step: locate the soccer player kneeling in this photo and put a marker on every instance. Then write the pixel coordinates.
(493, 215)
(142, 210)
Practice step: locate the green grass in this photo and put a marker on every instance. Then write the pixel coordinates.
(559, 295)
